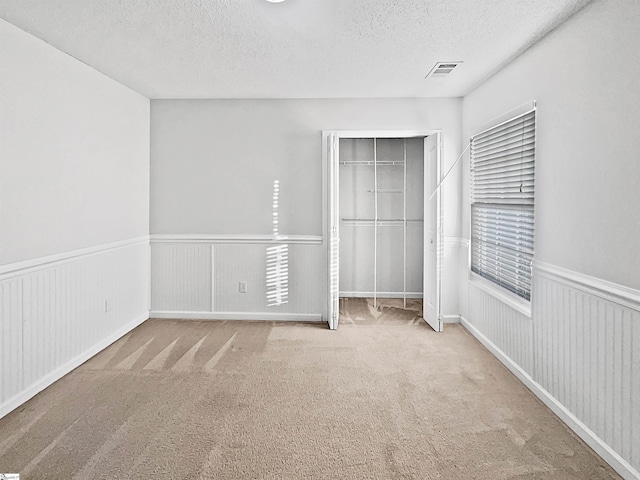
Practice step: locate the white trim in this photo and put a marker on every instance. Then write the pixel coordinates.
(381, 294)
(60, 372)
(453, 241)
(213, 278)
(450, 319)
(149, 270)
(383, 133)
(269, 316)
(19, 268)
(220, 238)
(465, 242)
(619, 464)
(502, 294)
(326, 230)
(327, 178)
(612, 292)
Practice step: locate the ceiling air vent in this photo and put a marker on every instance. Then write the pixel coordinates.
(442, 69)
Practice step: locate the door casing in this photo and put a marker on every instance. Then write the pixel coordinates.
(328, 188)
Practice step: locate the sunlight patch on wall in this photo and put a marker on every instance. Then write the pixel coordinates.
(277, 261)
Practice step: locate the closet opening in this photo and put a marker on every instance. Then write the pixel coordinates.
(383, 203)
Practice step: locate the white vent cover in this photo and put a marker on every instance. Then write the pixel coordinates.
(442, 69)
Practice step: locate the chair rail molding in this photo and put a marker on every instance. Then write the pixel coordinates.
(32, 265)
(619, 294)
(239, 238)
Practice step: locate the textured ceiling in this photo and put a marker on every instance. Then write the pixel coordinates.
(295, 49)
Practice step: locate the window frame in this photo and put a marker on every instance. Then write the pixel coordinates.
(488, 285)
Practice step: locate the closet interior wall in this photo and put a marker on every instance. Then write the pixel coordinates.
(381, 217)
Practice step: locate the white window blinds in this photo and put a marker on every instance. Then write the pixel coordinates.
(502, 200)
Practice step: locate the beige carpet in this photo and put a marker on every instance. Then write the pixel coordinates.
(383, 397)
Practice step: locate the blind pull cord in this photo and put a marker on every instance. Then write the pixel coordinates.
(449, 171)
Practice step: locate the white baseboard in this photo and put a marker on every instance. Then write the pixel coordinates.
(269, 316)
(57, 374)
(585, 433)
(450, 319)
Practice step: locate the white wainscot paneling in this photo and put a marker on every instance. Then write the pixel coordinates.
(195, 276)
(506, 327)
(181, 277)
(11, 339)
(579, 353)
(587, 342)
(59, 311)
(450, 286)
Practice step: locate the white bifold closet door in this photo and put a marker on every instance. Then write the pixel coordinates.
(432, 233)
(334, 232)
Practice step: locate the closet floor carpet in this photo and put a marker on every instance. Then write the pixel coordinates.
(383, 397)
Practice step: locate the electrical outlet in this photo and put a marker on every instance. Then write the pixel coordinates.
(242, 287)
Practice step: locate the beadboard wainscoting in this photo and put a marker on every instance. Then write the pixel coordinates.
(579, 352)
(59, 311)
(450, 255)
(510, 330)
(198, 276)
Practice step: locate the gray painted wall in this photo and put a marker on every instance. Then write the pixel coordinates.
(74, 153)
(213, 161)
(584, 77)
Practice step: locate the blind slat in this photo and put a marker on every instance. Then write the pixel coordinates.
(515, 160)
(516, 242)
(518, 274)
(504, 136)
(506, 149)
(515, 171)
(503, 228)
(516, 137)
(512, 246)
(518, 281)
(517, 122)
(521, 292)
(507, 186)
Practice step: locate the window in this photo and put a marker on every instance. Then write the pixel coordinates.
(502, 201)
